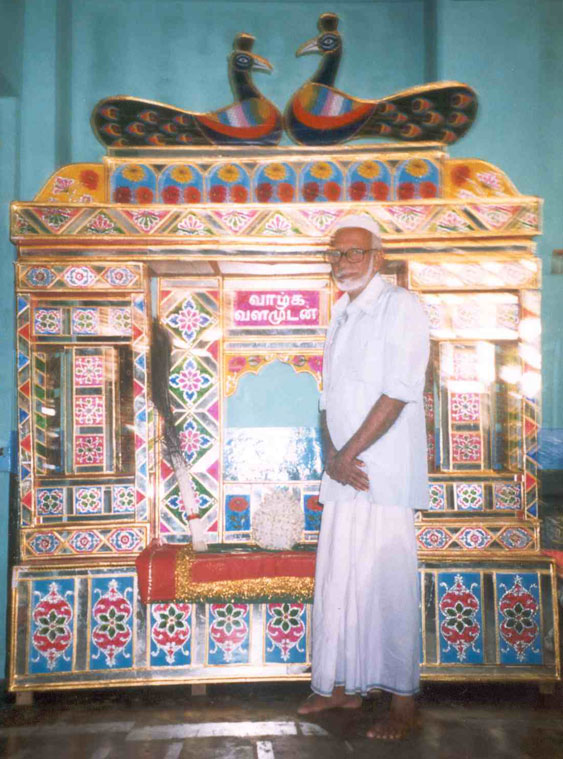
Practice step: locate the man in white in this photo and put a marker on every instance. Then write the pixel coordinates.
(365, 612)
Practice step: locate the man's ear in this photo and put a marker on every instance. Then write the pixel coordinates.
(378, 259)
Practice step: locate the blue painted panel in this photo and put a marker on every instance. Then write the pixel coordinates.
(460, 619)
(237, 513)
(285, 633)
(171, 634)
(52, 627)
(519, 618)
(228, 633)
(111, 621)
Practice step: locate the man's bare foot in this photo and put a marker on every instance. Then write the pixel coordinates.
(397, 725)
(338, 700)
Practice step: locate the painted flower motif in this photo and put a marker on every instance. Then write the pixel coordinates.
(229, 173)
(358, 190)
(134, 172)
(189, 320)
(122, 195)
(239, 193)
(218, 194)
(190, 380)
(310, 191)
(89, 449)
(229, 618)
(322, 170)
(264, 192)
(89, 178)
(89, 371)
(380, 190)
(286, 617)
(48, 321)
(190, 439)
(369, 169)
(192, 195)
(406, 191)
(52, 625)
(144, 195)
(490, 180)
(172, 620)
(191, 225)
(416, 167)
(332, 191)
(278, 225)
(275, 171)
(182, 174)
(236, 364)
(519, 618)
(112, 622)
(123, 499)
(89, 410)
(286, 192)
(460, 174)
(316, 363)
(171, 194)
(428, 190)
(62, 184)
(238, 503)
(88, 500)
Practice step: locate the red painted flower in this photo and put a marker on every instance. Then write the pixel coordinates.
(313, 503)
(460, 174)
(428, 190)
(264, 192)
(310, 191)
(143, 195)
(358, 190)
(122, 195)
(239, 193)
(171, 194)
(332, 190)
(380, 190)
(89, 179)
(218, 193)
(286, 191)
(406, 191)
(238, 503)
(237, 363)
(192, 195)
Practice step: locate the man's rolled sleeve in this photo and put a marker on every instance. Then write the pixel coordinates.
(406, 349)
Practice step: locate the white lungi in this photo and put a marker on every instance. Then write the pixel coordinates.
(366, 605)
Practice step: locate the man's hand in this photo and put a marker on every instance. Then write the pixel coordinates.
(347, 470)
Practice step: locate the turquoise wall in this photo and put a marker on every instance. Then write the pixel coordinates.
(58, 57)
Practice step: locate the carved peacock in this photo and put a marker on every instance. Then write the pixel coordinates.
(123, 121)
(319, 114)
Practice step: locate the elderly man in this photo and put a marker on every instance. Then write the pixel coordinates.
(365, 613)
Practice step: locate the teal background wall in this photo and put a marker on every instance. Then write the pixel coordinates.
(58, 57)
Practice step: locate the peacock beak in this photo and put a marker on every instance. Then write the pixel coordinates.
(311, 46)
(262, 64)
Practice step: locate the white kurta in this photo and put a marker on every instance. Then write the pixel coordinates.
(365, 613)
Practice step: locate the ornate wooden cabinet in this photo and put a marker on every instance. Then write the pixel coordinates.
(224, 246)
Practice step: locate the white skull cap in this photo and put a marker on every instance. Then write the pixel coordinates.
(360, 221)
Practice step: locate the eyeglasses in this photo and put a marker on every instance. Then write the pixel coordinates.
(353, 255)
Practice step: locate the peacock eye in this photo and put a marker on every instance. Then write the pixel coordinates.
(243, 61)
(328, 42)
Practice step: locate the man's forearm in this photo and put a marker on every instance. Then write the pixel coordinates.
(328, 445)
(383, 415)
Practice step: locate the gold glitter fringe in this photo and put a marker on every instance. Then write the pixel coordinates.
(298, 589)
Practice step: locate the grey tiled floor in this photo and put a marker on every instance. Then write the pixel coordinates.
(259, 722)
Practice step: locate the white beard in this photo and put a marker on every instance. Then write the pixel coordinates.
(355, 283)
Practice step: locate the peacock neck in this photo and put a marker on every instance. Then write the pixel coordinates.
(243, 86)
(328, 68)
